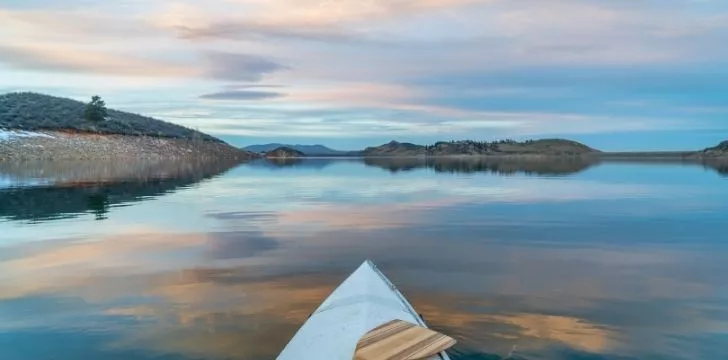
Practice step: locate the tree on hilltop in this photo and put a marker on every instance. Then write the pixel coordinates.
(95, 110)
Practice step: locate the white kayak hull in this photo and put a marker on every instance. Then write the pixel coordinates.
(365, 300)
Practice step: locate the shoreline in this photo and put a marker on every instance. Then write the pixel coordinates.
(55, 145)
(695, 155)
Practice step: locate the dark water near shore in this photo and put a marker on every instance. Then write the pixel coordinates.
(541, 260)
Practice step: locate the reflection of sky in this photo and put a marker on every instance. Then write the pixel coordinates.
(620, 261)
(7, 181)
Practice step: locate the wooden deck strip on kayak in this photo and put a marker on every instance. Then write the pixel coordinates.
(400, 340)
(382, 332)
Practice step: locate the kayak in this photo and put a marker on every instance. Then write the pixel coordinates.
(363, 302)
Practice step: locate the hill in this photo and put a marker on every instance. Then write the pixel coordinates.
(545, 146)
(309, 150)
(36, 126)
(551, 147)
(720, 150)
(32, 111)
(395, 148)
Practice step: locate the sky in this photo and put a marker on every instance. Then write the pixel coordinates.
(615, 74)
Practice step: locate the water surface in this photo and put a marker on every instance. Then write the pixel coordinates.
(537, 260)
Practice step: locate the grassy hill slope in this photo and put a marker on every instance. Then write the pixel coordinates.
(32, 111)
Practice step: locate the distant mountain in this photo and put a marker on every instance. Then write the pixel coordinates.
(308, 150)
(468, 147)
(261, 148)
(33, 111)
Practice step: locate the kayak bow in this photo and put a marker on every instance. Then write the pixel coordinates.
(364, 301)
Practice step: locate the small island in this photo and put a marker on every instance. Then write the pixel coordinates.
(309, 150)
(36, 126)
(284, 152)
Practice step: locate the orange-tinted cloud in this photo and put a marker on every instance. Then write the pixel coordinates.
(54, 57)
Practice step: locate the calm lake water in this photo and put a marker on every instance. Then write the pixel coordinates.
(565, 260)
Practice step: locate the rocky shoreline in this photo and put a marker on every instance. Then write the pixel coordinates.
(52, 145)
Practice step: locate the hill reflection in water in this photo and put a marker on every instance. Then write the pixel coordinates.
(530, 165)
(47, 190)
(502, 166)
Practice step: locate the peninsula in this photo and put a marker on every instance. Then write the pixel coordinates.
(468, 147)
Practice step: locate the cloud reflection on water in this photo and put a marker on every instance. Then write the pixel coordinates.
(551, 280)
(491, 300)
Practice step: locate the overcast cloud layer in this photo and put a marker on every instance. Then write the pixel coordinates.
(617, 74)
